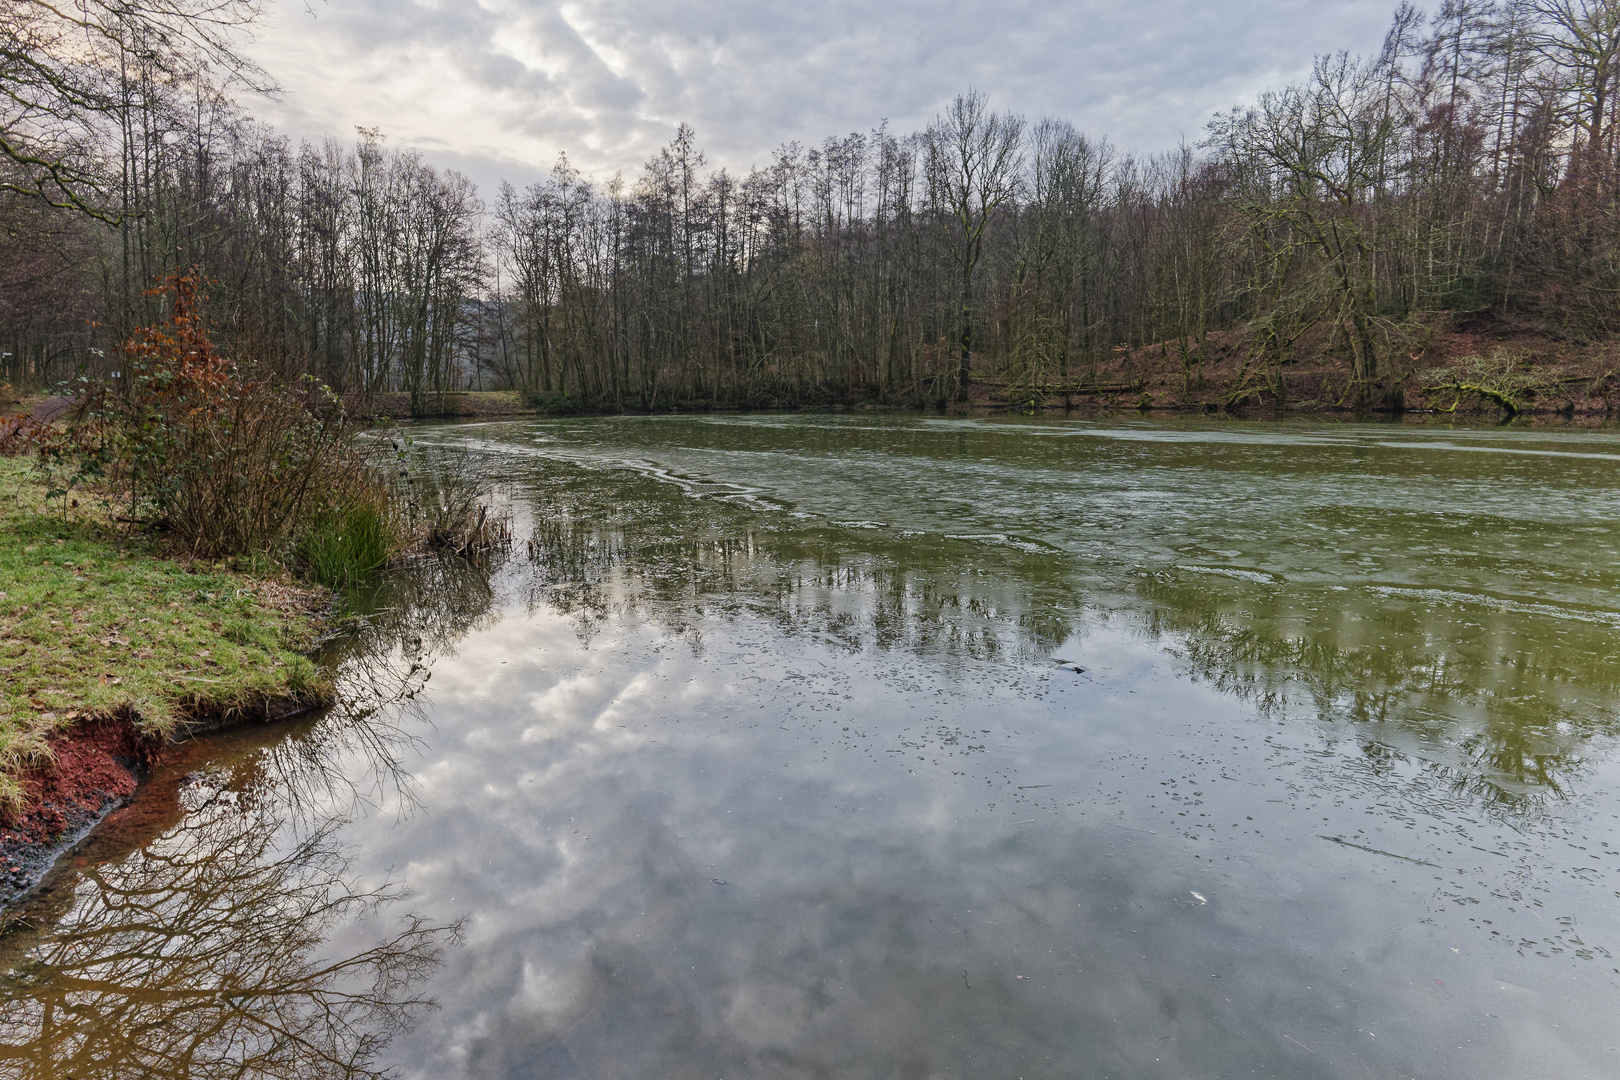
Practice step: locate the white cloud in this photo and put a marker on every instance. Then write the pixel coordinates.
(499, 87)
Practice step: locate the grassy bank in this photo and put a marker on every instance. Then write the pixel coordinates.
(95, 621)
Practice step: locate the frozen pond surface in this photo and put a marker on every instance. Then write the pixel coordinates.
(764, 754)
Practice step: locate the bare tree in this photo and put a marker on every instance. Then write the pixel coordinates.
(1582, 39)
(1318, 154)
(64, 71)
(974, 161)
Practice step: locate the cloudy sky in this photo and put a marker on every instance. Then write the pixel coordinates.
(497, 88)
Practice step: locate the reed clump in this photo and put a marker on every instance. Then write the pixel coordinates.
(345, 545)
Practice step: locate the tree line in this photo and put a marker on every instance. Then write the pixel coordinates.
(1470, 168)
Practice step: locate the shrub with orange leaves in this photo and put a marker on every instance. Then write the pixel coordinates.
(228, 460)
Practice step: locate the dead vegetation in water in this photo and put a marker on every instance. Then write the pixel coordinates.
(451, 508)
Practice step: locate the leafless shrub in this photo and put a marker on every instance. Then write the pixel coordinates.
(451, 511)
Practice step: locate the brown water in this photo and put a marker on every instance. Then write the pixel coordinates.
(756, 757)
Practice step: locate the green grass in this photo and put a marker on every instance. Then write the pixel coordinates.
(347, 546)
(96, 622)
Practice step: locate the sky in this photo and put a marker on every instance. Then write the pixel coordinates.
(497, 88)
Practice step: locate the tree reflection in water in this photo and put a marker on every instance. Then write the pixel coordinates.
(1422, 688)
(201, 955)
(198, 938)
(915, 596)
(1412, 683)
(381, 664)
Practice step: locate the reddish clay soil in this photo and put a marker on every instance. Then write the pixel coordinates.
(95, 765)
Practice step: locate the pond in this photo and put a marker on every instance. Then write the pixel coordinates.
(909, 747)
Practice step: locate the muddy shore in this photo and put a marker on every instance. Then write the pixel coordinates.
(95, 768)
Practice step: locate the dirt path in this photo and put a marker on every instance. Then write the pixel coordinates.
(43, 411)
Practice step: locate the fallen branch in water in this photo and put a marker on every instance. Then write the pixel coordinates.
(1512, 405)
(1506, 381)
(1376, 851)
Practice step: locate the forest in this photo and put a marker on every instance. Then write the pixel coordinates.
(1467, 176)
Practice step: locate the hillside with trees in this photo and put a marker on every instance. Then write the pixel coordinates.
(1436, 224)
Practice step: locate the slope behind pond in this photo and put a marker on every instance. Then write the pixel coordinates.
(755, 759)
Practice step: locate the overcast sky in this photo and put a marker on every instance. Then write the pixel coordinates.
(497, 88)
